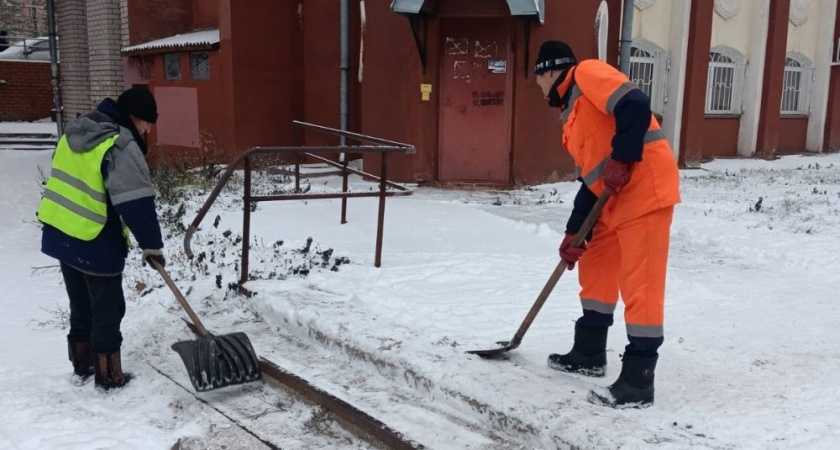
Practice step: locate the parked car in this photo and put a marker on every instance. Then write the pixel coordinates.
(34, 49)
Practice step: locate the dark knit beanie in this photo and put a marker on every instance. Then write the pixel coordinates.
(138, 102)
(554, 55)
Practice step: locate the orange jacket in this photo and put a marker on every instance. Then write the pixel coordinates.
(588, 130)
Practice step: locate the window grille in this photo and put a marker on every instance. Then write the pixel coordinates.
(648, 69)
(172, 66)
(200, 65)
(796, 87)
(725, 81)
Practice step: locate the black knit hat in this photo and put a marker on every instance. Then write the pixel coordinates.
(554, 55)
(140, 103)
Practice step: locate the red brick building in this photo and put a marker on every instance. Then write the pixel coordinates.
(453, 77)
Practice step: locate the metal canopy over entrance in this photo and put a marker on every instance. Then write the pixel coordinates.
(517, 7)
(418, 12)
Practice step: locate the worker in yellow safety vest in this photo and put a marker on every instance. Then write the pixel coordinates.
(98, 189)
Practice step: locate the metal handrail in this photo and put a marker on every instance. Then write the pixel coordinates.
(383, 147)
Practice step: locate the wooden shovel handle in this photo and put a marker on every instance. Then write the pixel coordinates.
(591, 218)
(181, 299)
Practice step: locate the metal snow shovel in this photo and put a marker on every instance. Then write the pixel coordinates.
(507, 346)
(213, 361)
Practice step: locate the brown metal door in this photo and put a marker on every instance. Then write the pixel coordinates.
(475, 101)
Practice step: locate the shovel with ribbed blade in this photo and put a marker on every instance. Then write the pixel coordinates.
(213, 361)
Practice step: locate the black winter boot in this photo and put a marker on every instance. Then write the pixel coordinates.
(634, 387)
(109, 372)
(81, 356)
(588, 355)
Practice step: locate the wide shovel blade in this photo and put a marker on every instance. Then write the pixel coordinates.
(497, 353)
(217, 361)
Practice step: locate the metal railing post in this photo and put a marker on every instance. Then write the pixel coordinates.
(344, 174)
(381, 219)
(246, 220)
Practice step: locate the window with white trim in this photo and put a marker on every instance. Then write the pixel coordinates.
(648, 69)
(725, 83)
(796, 88)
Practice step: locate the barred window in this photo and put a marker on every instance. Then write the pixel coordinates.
(648, 69)
(725, 81)
(172, 66)
(796, 87)
(200, 65)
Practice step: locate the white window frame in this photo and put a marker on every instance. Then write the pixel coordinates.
(721, 87)
(649, 70)
(796, 88)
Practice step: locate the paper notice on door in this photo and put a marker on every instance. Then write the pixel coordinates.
(497, 65)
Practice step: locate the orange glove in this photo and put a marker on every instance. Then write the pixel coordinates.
(616, 175)
(571, 254)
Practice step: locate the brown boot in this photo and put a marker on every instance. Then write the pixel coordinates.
(109, 372)
(81, 356)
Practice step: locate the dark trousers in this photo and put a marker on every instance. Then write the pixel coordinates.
(97, 306)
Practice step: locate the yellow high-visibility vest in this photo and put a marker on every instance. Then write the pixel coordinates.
(74, 198)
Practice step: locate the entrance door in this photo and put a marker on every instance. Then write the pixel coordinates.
(475, 101)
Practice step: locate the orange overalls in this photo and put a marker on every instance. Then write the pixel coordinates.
(628, 252)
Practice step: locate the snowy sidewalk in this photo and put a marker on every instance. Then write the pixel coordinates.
(749, 359)
(458, 275)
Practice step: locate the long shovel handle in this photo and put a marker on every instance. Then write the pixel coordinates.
(181, 299)
(591, 218)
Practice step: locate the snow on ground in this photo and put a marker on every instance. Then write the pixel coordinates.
(41, 126)
(748, 361)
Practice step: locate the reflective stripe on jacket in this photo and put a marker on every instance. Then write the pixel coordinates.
(74, 199)
(588, 130)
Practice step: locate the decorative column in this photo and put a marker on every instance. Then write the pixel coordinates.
(820, 101)
(774, 72)
(697, 71)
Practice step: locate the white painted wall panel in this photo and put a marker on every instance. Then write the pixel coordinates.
(654, 23)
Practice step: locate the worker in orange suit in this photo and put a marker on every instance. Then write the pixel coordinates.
(617, 146)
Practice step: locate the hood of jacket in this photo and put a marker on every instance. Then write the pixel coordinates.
(90, 130)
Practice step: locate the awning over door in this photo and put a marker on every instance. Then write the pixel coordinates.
(517, 7)
(527, 8)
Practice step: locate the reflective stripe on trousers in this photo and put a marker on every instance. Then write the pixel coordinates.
(632, 259)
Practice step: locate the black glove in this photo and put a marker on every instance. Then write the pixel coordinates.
(154, 255)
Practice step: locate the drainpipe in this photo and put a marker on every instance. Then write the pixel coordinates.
(56, 85)
(363, 30)
(626, 37)
(345, 66)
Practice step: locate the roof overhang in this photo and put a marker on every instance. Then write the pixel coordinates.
(193, 41)
(530, 8)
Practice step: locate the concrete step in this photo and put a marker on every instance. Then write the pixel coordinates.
(27, 136)
(38, 142)
(27, 140)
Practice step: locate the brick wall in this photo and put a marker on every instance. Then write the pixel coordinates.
(124, 21)
(104, 43)
(24, 17)
(27, 93)
(71, 18)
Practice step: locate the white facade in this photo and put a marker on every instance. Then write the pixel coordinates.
(664, 24)
(738, 46)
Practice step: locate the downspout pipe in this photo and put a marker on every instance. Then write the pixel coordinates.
(345, 68)
(626, 37)
(56, 83)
